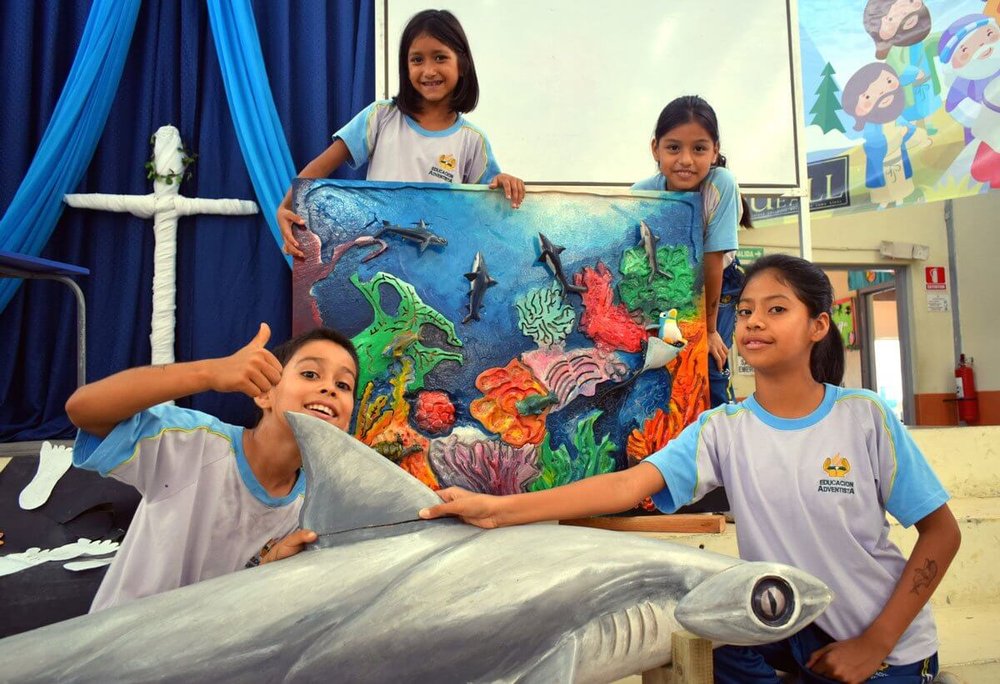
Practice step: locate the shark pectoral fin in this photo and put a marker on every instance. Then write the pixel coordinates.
(470, 276)
(348, 484)
(558, 665)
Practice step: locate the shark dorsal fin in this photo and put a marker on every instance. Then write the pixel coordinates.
(350, 486)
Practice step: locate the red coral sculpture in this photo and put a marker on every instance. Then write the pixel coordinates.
(609, 325)
(497, 410)
(435, 414)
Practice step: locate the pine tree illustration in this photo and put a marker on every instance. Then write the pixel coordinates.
(827, 103)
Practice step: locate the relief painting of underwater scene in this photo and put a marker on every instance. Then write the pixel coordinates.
(505, 350)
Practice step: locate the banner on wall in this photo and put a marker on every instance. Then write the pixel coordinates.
(902, 102)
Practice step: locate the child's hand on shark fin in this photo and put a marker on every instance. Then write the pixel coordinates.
(481, 510)
(289, 545)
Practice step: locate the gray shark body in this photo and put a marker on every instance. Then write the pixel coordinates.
(550, 257)
(479, 281)
(649, 246)
(385, 597)
(419, 234)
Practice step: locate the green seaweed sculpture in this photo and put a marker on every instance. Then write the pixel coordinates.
(556, 467)
(544, 316)
(652, 295)
(592, 458)
(390, 337)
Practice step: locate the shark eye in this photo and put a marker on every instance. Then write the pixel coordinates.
(773, 601)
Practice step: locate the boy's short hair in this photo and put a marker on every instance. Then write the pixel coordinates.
(286, 350)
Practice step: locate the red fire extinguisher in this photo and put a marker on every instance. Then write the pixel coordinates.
(965, 391)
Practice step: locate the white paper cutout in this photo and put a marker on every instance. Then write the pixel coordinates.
(16, 562)
(53, 462)
(165, 204)
(78, 566)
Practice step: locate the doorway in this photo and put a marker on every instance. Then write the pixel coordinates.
(870, 310)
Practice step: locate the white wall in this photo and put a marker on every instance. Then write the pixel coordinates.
(855, 239)
(570, 90)
(977, 243)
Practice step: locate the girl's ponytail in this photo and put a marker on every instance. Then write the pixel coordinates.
(826, 361)
(745, 219)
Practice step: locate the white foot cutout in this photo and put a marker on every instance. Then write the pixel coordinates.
(77, 566)
(16, 562)
(53, 462)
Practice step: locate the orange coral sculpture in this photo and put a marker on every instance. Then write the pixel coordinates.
(497, 410)
(688, 398)
(376, 426)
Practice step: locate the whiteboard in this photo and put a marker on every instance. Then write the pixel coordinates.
(570, 89)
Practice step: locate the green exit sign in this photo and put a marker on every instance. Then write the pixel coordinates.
(748, 254)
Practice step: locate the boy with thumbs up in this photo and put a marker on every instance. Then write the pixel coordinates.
(215, 497)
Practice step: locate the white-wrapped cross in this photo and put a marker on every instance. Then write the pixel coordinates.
(165, 204)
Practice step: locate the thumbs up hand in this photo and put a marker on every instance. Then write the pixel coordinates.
(252, 370)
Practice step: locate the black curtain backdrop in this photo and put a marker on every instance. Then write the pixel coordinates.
(230, 272)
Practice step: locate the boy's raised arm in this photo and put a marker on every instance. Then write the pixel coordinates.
(99, 406)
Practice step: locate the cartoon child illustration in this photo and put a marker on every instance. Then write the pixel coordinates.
(971, 48)
(899, 29)
(874, 98)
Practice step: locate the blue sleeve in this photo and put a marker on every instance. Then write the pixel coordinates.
(108, 456)
(721, 208)
(492, 168)
(913, 490)
(678, 463)
(482, 158)
(656, 182)
(355, 134)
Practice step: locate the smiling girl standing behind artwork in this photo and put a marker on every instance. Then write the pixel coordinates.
(686, 150)
(420, 135)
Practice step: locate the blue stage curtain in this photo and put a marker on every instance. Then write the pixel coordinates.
(258, 129)
(231, 274)
(72, 134)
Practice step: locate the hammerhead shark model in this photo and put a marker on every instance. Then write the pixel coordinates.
(383, 596)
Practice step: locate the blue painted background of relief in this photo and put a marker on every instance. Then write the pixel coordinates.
(349, 218)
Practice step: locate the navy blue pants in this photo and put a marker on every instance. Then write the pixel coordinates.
(757, 664)
(721, 388)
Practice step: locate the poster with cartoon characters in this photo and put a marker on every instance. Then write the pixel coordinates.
(509, 350)
(905, 94)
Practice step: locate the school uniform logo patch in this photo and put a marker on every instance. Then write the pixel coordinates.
(838, 466)
(445, 168)
(836, 469)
